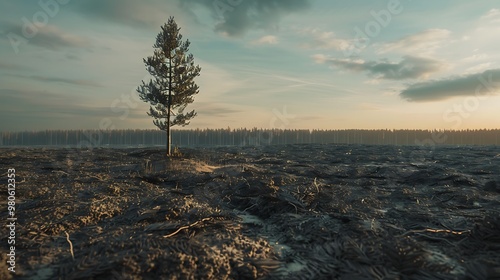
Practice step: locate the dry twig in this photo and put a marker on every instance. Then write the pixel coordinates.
(435, 231)
(186, 227)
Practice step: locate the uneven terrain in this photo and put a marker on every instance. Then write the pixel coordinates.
(271, 212)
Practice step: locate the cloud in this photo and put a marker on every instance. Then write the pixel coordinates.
(479, 68)
(493, 16)
(410, 67)
(129, 12)
(54, 38)
(72, 57)
(266, 40)
(368, 107)
(41, 109)
(476, 57)
(323, 40)
(215, 109)
(233, 18)
(480, 84)
(49, 36)
(425, 42)
(239, 16)
(47, 103)
(64, 80)
(10, 66)
(45, 79)
(32, 100)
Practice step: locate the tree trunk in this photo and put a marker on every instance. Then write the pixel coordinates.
(168, 107)
(169, 138)
(168, 141)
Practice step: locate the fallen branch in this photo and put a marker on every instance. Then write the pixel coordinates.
(435, 231)
(60, 172)
(448, 231)
(100, 178)
(316, 185)
(186, 227)
(70, 245)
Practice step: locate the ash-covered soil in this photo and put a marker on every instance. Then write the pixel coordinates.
(273, 212)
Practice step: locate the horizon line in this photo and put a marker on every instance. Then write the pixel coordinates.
(257, 128)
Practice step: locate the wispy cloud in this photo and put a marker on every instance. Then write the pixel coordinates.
(481, 84)
(28, 108)
(50, 37)
(479, 68)
(410, 67)
(54, 38)
(368, 107)
(476, 57)
(35, 99)
(425, 42)
(215, 109)
(493, 16)
(64, 80)
(76, 82)
(129, 12)
(10, 66)
(322, 40)
(266, 40)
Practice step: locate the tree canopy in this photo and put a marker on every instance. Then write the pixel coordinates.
(172, 87)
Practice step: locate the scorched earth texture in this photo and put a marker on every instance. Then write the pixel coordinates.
(275, 212)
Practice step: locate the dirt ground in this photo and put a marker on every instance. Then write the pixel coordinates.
(272, 212)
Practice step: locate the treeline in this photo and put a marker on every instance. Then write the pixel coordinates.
(242, 137)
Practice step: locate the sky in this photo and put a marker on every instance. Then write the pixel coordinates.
(284, 64)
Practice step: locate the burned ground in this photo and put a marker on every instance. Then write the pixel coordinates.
(275, 212)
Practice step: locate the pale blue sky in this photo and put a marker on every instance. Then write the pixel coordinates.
(265, 63)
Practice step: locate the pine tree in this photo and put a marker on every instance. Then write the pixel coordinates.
(172, 87)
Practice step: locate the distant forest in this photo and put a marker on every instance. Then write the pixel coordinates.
(243, 137)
